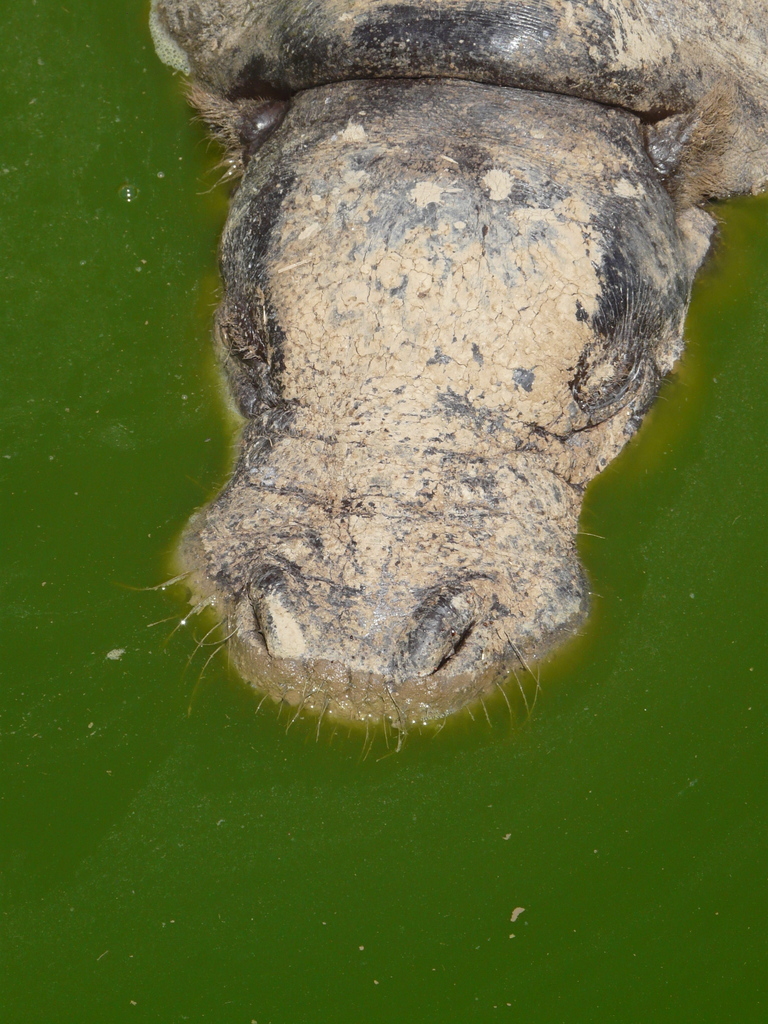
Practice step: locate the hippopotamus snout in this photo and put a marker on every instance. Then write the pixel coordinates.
(421, 656)
(368, 610)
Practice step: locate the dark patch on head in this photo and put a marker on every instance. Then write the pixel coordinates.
(477, 354)
(251, 82)
(439, 357)
(457, 406)
(484, 486)
(524, 378)
(419, 39)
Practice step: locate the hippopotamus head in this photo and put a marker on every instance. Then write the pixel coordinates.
(437, 337)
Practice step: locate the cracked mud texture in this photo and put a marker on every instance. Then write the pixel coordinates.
(447, 306)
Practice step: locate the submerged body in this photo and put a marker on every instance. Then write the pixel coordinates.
(447, 305)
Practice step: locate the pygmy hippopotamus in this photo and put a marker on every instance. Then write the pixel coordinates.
(455, 269)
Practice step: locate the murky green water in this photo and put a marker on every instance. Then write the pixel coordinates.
(165, 866)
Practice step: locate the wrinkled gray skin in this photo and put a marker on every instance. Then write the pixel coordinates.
(455, 270)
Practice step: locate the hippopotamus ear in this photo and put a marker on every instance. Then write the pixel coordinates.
(706, 153)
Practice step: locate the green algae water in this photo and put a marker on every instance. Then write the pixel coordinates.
(168, 854)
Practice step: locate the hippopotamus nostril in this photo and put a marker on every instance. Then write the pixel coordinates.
(272, 595)
(437, 630)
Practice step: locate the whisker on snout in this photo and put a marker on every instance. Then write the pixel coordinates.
(159, 622)
(485, 709)
(196, 610)
(506, 700)
(159, 586)
(522, 692)
(202, 642)
(220, 646)
(320, 720)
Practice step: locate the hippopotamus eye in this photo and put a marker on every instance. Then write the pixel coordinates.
(438, 628)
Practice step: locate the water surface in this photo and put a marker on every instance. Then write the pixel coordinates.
(169, 855)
